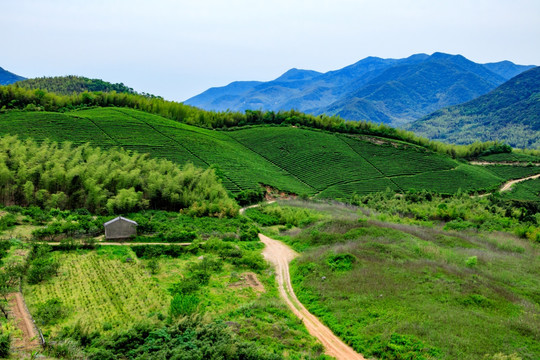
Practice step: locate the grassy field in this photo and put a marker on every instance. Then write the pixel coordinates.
(417, 292)
(300, 161)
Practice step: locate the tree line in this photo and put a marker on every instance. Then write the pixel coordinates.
(17, 97)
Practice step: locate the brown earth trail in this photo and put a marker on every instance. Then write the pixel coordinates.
(280, 255)
(508, 185)
(24, 322)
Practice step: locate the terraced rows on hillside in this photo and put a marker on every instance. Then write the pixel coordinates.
(295, 160)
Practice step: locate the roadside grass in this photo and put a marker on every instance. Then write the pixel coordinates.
(442, 296)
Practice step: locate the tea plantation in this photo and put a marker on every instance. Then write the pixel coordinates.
(295, 160)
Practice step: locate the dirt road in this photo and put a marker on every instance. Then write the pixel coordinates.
(30, 340)
(243, 210)
(508, 163)
(508, 185)
(280, 255)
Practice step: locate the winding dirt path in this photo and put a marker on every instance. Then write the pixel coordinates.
(509, 163)
(280, 255)
(508, 185)
(30, 340)
(243, 210)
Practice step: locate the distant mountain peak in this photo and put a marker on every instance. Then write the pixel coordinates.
(394, 91)
(7, 77)
(298, 74)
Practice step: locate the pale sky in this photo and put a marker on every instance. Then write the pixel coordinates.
(178, 49)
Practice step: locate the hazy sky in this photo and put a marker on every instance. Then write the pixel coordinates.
(178, 49)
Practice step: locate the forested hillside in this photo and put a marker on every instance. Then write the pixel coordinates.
(67, 85)
(510, 113)
(390, 91)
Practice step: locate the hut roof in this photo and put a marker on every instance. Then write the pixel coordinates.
(118, 219)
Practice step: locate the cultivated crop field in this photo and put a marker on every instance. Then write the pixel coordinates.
(101, 289)
(527, 190)
(513, 172)
(301, 161)
(510, 157)
(110, 290)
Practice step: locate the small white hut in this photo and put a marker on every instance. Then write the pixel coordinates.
(120, 228)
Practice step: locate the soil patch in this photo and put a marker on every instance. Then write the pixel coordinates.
(248, 279)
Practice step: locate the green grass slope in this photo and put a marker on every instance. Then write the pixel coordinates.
(440, 297)
(301, 161)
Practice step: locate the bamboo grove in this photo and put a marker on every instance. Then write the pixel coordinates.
(50, 175)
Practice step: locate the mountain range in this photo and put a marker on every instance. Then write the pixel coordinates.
(510, 113)
(7, 77)
(391, 91)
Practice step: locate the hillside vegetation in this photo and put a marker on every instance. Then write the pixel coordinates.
(151, 301)
(70, 177)
(510, 113)
(15, 97)
(67, 85)
(391, 91)
(295, 160)
(436, 291)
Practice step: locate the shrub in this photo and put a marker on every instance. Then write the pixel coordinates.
(41, 270)
(51, 312)
(341, 262)
(185, 287)
(248, 197)
(207, 265)
(5, 345)
(7, 221)
(153, 266)
(400, 347)
(183, 304)
(472, 261)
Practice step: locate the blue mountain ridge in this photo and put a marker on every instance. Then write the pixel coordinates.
(392, 91)
(7, 77)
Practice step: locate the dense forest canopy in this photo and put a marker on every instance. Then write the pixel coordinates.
(16, 97)
(67, 85)
(510, 113)
(50, 175)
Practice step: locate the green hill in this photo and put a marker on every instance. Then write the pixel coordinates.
(68, 85)
(297, 160)
(510, 113)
